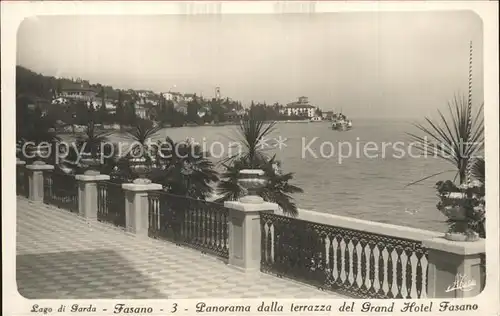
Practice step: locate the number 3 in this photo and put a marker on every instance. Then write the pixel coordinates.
(175, 308)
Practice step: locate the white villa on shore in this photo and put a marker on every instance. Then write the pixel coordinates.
(302, 107)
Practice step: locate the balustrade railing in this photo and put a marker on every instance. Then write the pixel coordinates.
(111, 203)
(22, 181)
(61, 190)
(357, 263)
(199, 224)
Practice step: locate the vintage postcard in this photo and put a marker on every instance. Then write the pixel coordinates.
(231, 158)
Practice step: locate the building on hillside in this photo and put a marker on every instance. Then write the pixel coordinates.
(78, 91)
(168, 96)
(177, 97)
(141, 111)
(302, 107)
(60, 100)
(235, 115)
(109, 104)
(147, 100)
(173, 96)
(189, 97)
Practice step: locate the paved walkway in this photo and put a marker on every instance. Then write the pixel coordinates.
(61, 256)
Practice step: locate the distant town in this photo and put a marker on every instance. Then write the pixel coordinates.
(68, 100)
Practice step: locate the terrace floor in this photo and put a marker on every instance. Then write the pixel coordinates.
(62, 256)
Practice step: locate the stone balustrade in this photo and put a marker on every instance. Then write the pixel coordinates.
(446, 260)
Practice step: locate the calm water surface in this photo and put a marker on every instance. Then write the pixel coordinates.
(359, 186)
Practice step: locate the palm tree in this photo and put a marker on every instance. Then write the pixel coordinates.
(92, 144)
(253, 133)
(184, 169)
(140, 149)
(92, 140)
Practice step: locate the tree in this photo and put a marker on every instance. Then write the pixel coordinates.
(82, 112)
(252, 132)
(102, 113)
(318, 112)
(130, 115)
(119, 110)
(35, 129)
(192, 111)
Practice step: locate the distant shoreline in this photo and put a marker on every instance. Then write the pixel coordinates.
(63, 132)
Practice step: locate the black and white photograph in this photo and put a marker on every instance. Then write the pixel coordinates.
(326, 156)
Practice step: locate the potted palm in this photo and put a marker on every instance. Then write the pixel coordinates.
(92, 144)
(141, 153)
(457, 140)
(464, 207)
(456, 145)
(252, 180)
(276, 187)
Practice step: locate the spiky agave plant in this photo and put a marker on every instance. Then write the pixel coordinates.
(253, 133)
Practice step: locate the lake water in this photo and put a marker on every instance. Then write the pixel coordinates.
(359, 186)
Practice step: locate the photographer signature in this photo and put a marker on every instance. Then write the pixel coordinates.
(462, 283)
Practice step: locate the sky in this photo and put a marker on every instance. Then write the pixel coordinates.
(392, 64)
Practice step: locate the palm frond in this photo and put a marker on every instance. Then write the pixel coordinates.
(478, 170)
(454, 139)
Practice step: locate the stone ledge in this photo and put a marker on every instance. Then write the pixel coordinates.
(389, 230)
(457, 247)
(141, 187)
(247, 207)
(40, 167)
(20, 162)
(89, 178)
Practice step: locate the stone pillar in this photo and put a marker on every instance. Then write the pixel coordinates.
(245, 233)
(35, 174)
(454, 268)
(137, 206)
(87, 194)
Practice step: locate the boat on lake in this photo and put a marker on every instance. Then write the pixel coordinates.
(316, 119)
(340, 122)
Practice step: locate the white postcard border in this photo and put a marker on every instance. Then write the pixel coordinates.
(12, 15)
